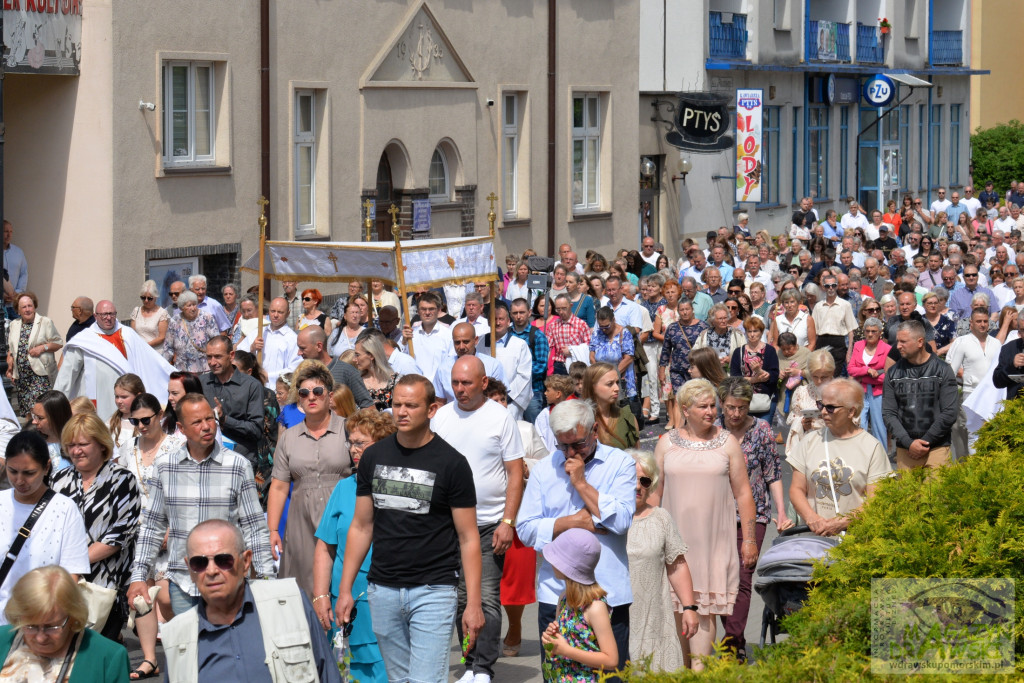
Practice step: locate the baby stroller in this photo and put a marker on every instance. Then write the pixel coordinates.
(784, 574)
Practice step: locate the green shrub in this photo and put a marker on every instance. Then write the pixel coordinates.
(997, 154)
(966, 521)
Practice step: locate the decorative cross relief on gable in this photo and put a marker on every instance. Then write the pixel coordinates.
(419, 54)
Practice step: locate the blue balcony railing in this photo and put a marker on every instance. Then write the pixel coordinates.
(728, 39)
(869, 45)
(841, 42)
(947, 48)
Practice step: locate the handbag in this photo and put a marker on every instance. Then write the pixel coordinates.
(760, 403)
(100, 601)
(23, 533)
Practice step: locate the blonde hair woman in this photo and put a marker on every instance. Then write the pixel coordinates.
(804, 415)
(150, 319)
(372, 363)
(705, 482)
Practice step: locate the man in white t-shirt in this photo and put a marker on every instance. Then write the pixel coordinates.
(971, 356)
(940, 204)
(487, 435)
(854, 219)
(972, 203)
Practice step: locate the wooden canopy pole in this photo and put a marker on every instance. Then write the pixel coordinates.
(396, 232)
(491, 216)
(262, 201)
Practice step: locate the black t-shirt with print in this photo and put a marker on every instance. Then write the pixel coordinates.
(414, 490)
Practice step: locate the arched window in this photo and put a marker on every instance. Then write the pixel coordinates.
(439, 180)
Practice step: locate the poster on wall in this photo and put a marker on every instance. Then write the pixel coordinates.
(42, 37)
(166, 271)
(828, 40)
(748, 145)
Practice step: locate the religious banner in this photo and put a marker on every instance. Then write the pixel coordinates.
(43, 37)
(427, 263)
(748, 145)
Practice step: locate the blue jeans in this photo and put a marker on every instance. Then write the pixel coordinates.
(414, 630)
(873, 411)
(181, 601)
(536, 405)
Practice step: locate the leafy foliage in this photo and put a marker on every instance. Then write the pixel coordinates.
(965, 521)
(998, 154)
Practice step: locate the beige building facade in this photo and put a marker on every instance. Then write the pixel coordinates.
(148, 164)
(995, 98)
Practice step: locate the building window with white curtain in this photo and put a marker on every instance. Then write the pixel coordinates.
(586, 151)
(510, 154)
(189, 123)
(304, 142)
(439, 180)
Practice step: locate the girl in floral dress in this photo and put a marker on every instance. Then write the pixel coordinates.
(580, 644)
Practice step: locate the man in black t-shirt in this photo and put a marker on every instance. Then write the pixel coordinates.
(417, 503)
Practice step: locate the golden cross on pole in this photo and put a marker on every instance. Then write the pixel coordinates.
(394, 211)
(367, 205)
(333, 259)
(491, 216)
(263, 201)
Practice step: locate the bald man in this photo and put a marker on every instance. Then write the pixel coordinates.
(464, 344)
(488, 437)
(82, 312)
(278, 344)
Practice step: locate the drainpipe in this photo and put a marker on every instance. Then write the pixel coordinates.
(552, 109)
(265, 115)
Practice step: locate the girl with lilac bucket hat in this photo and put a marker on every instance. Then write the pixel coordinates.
(580, 643)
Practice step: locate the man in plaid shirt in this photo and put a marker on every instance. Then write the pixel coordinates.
(200, 481)
(564, 331)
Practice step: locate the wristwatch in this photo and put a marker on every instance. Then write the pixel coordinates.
(690, 607)
(510, 522)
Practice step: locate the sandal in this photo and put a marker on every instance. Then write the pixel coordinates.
(139, 674)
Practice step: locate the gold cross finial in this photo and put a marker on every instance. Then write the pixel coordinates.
(263, 201)
(395, 230)
(367, 205)
(492, 198)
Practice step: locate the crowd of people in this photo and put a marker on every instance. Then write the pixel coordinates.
(449, 458)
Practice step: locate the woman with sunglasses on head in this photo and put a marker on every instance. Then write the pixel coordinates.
(365, 428)
(314, 455)
(150, 320)
(140, 458)
(657, 568)
(107, 495)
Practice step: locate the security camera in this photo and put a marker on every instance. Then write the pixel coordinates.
(146, 105)
(490, 102)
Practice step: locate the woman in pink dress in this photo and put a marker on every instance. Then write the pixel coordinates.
(705, 481)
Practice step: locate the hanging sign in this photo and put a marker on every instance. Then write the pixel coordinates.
(879, 90)
(420, 215)
(701, 123)
(748, 145)
(42, 36)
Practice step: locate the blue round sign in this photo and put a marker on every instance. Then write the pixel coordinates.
(879, 90)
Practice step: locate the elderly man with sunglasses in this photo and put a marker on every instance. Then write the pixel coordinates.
(241, 630)
(584, 484)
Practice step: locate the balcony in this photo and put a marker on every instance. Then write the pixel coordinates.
(828, 41)
(728, 35)
(870, 49)
(947, 48)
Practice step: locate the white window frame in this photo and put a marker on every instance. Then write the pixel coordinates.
(302, 140)
(191, 158)
(438, 198)
(510, 157)
(589, 132)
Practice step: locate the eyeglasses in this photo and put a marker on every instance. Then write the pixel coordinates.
(144, 421)
(199, 563)
(576, 447)
(106, 315)
(828, 408)
(307, 298)
(143, 297)
(316, 391)
(359, 445)
(645, 482)
(45, 630)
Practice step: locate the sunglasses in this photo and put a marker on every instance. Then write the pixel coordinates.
(828, 408)
(970, 275)
(316, 391)
(872, 310)
(346, 628)
(146, 298)
(174, 295)
(645, 482)
(144, 421)
(307, 298)
(199, 563)
(831, 286)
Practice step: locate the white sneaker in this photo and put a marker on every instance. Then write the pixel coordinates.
(466, 677)
(481, 678)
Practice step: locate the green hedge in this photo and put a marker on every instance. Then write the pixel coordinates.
(967, 521)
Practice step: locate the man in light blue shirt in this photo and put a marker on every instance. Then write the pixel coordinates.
(626, 312)
(464, 342)
(587, 485)
(702, 303)
(15, 268)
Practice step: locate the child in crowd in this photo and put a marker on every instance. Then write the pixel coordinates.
(576, 371)
(557, 388)
(580, 643)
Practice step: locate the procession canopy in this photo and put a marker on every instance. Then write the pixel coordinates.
(425, 263)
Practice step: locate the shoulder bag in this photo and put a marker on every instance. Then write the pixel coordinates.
(23, 533)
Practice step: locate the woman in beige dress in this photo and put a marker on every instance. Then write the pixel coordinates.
(705, 482)
(314, 456)
(150, 320)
